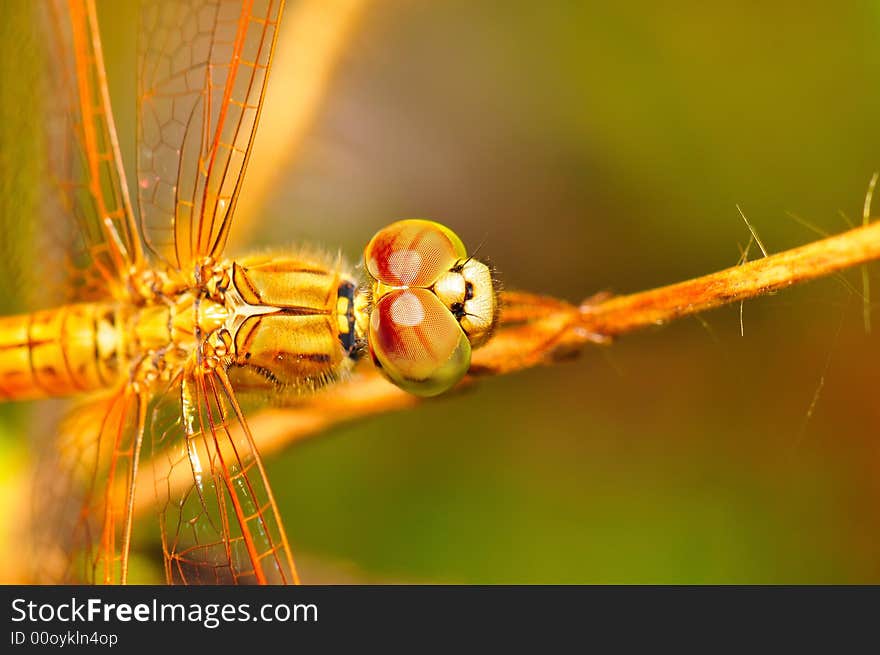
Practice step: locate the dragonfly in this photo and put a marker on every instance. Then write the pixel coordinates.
(166, 342)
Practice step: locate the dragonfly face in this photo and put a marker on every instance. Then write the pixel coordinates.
(431, 305)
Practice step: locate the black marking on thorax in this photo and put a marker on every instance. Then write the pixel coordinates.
(348, 338)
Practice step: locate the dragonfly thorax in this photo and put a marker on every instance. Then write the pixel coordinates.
(289, 322)
(292, 321)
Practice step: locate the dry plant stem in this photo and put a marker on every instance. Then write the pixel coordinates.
(538, 330)
(658, 306)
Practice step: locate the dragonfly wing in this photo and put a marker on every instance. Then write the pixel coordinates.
(218, 518)
(85, 163)
(203, 73)
(85, 491)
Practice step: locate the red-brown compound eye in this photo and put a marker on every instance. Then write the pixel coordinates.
(412, 253)
(417, 342)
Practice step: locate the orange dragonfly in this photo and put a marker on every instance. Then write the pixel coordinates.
(167, 340)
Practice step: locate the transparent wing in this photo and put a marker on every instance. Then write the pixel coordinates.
(84, 494)
(203, 72)
(218, 518)
(85, 163)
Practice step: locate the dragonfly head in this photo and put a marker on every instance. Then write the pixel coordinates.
(432, 304)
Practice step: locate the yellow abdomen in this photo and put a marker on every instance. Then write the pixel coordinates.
(56, 352)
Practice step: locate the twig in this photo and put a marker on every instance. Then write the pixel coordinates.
(658, 306)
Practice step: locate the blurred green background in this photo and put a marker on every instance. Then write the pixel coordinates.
(590, 147)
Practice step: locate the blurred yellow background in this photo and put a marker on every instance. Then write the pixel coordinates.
(586, 147)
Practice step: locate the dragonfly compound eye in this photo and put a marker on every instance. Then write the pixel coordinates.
(412, 253)
(431, 305)
(417, 342)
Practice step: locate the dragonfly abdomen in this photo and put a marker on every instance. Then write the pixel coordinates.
(61, 351)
